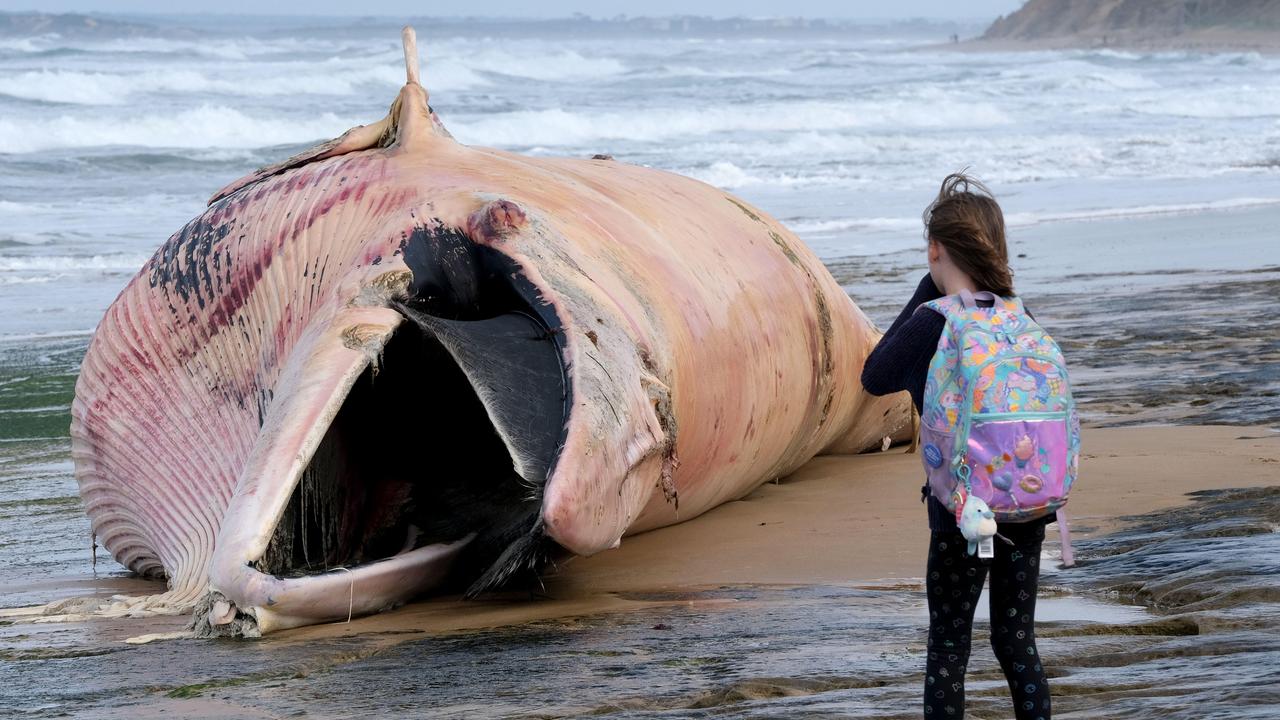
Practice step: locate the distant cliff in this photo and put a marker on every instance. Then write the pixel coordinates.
(1171, 23)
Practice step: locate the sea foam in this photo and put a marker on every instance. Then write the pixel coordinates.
(207, 126)
(559, 127)
(98, 88)
(72, 263)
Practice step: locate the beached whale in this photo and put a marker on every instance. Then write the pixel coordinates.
(395, 363)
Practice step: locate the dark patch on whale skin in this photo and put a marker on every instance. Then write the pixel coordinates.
(265, 396)
(446, 271)
(207, 274)
(182, 264)
(196, 263)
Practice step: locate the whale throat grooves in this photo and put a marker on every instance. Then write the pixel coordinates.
(453, 433)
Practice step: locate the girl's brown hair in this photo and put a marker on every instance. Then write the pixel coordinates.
(967, 221)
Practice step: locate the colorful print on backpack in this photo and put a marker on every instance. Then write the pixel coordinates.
(999, 421)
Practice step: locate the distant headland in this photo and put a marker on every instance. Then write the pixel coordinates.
(1207, 25)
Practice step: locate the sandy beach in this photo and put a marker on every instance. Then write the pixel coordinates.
(852, 520)
(845, 535)
(839, 520)
(858, 519)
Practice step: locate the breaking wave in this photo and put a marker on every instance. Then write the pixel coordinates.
(72, 263)
(97, 88)
(536, 64)
(10, 207)
(558, 127)
(806, 226)
(816, 227)
(452, 70)
(1026, 219)
(240, 48)
(728, 175)
(37, 270)
(1223, 104)
(26, 44)
(1075, 74)
(208, 126)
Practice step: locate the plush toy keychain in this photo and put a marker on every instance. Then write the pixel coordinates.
(977, 522)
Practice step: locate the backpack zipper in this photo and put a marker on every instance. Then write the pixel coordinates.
(1046, 415)
(959, 447)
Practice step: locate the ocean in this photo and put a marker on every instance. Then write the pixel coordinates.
(1141, 190)
(109, 144)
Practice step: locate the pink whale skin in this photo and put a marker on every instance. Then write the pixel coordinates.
(397, 364)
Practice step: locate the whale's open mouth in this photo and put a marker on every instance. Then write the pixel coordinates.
(449, 436)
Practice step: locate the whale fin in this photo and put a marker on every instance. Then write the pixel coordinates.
(400, 122)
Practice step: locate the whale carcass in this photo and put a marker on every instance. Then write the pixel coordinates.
(395, 363)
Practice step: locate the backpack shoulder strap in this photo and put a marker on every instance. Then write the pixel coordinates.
(947, 306)
(953, 309)
(1012, 303)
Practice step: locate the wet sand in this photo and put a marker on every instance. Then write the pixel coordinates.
(802, 599)
(839, 520)
(1168, 318)
(855, 520)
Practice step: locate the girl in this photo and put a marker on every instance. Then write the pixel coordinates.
(965, 232)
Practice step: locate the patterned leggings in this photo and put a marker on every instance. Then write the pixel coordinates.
(954, 585)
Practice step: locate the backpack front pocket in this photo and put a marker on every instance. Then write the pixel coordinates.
(935, 450)
(1018, 462)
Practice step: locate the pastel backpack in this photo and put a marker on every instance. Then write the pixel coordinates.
(998, 419)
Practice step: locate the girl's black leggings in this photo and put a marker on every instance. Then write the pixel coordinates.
(954, 584)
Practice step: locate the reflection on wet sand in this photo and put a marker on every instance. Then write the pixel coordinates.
(1207, 352)
(1176, 614)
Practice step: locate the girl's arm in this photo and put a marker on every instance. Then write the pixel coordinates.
(900, 361)
(925, 292)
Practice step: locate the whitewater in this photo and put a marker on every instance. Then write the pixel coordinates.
(109, 144)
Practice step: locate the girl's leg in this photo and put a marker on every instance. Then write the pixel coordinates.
(1015, 575)
(953, 583)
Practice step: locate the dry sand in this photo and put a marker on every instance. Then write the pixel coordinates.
(847, 520)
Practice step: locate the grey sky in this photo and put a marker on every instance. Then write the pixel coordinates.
(865, 9)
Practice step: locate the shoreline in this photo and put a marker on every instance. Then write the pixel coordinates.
(1214, 41)
(842, 521)
(826, 525)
